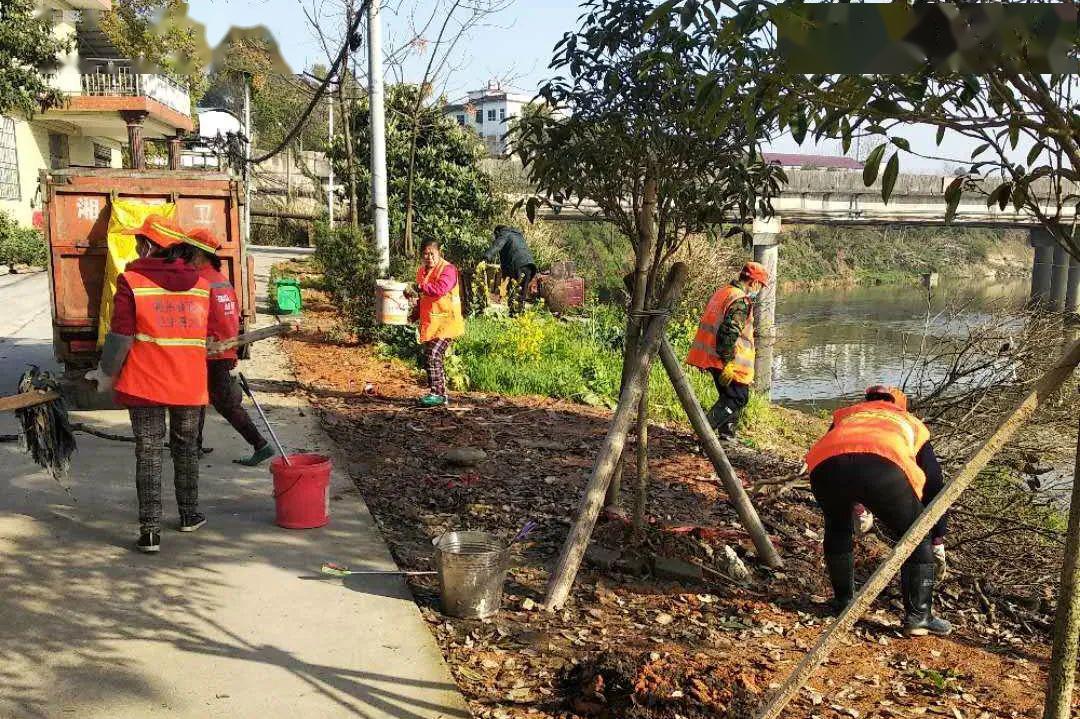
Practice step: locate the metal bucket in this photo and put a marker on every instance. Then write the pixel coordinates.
(472, 569)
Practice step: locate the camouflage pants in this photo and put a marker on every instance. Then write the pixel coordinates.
(148, 426)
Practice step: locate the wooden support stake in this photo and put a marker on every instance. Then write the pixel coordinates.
(1047, 385)
(1062, 675)
(562, 578)
(248, 337)
(748, 516)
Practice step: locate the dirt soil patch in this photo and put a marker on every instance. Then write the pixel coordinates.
(688, 641)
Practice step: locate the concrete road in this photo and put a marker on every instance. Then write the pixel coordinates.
(223, 622)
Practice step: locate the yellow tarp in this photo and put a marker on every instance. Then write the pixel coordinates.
(126, 215)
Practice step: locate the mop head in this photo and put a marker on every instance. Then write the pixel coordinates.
(46, 432)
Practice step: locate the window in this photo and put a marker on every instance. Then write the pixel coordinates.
(461, 119)
(59, 156)
(9, 161)
(502, 114)
(491, 116)
(102, 156)
(479, 117)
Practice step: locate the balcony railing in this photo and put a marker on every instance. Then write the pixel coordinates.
(156, 87)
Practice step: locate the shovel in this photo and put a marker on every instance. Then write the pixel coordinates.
(247, 391)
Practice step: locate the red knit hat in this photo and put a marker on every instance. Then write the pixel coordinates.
(755, 271)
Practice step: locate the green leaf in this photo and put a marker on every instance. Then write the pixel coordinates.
(736, 230)
(940, 134)
(1014, 134)
(980, 150)
(888, 180)
(661, 11)
(1019, 195)
(952, 198)
(1035, 152)
(1000, 195)
(902, 143)
(686, 16)
(873, 160)
(799, 124)
(886, 107)
(845, 134)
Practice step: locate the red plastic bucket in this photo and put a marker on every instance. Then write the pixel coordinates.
(302, 490)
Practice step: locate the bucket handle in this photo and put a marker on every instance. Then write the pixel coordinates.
(286, 491)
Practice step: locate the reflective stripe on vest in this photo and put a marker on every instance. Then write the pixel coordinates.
(167, 361)
(703, 350)
(440, 317)
(879, 428)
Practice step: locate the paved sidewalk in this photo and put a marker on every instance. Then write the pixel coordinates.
(221, 622)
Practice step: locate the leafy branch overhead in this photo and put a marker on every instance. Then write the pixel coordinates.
(624, 104)
(29, 48)
(1022, 118)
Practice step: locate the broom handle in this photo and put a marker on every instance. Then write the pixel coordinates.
(247, 390)
(27, 399)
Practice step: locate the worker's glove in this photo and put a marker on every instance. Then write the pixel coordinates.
(103, 381)
(864, 522)
(940, 563)
(727, 376)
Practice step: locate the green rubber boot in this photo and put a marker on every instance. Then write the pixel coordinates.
(432, 400)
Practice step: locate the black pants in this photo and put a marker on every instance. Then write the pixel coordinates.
(525, 277)
(724, 415)
(227, 399)
(148, 426)
(876, 483)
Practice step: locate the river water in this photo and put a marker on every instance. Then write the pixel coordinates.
(833, 343)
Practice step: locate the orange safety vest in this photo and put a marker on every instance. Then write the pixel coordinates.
(703, 352)
(167, 361)
(440, 317)
(879, 428)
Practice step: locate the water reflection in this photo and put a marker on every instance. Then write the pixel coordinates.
(834, 342)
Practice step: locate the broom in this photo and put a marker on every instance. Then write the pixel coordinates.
(47, 435)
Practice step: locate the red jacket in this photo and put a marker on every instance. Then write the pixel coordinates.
(224, 320)
(173, 276)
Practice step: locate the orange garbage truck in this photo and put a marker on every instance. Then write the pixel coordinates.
(81, 205)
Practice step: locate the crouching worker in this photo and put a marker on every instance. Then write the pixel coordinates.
(440, 316)
(878, 454)
(154, 359)
(224, 324)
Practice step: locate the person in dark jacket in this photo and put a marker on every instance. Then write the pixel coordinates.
(224, 324)
(515, 260)
(878, 454)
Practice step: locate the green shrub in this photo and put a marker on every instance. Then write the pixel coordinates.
(21, 245)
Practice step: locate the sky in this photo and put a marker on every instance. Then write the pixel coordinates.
(514, 46)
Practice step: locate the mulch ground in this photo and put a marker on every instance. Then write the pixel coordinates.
(634, 640)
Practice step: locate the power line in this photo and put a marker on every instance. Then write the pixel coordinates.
(291, 135)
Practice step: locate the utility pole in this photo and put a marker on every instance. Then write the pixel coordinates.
(247, 159)
(378, 140)
(330, 164)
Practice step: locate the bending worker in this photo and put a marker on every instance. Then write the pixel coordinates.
(878, 454)
(223, 324)
(156, 353)
(515, 260)
(440, 316)
(724, 346)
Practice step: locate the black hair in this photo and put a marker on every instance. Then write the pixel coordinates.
(879, 397)
(500, 228)
(428, 243)
(211, 258)
(183, 252)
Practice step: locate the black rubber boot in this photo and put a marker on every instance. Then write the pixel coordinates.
(917, 582)
(842, 576)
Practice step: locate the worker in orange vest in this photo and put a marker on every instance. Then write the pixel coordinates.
(878, 454)
(154, 359)
(224, 324)
(724, 346)
(440, 316)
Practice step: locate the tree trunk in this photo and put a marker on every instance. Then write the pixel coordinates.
(1046, 386)
(643, 256)
(641, 486)
(346, 125)
(1062, 675)
(562, 578)
(748, 516)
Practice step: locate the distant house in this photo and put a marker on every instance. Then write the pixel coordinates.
(814, 162)
(488, 113)
(109, 106)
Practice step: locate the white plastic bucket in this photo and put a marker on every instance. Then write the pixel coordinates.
(391, 305)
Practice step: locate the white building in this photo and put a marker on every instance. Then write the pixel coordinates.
(108, 106)
(488, 113)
